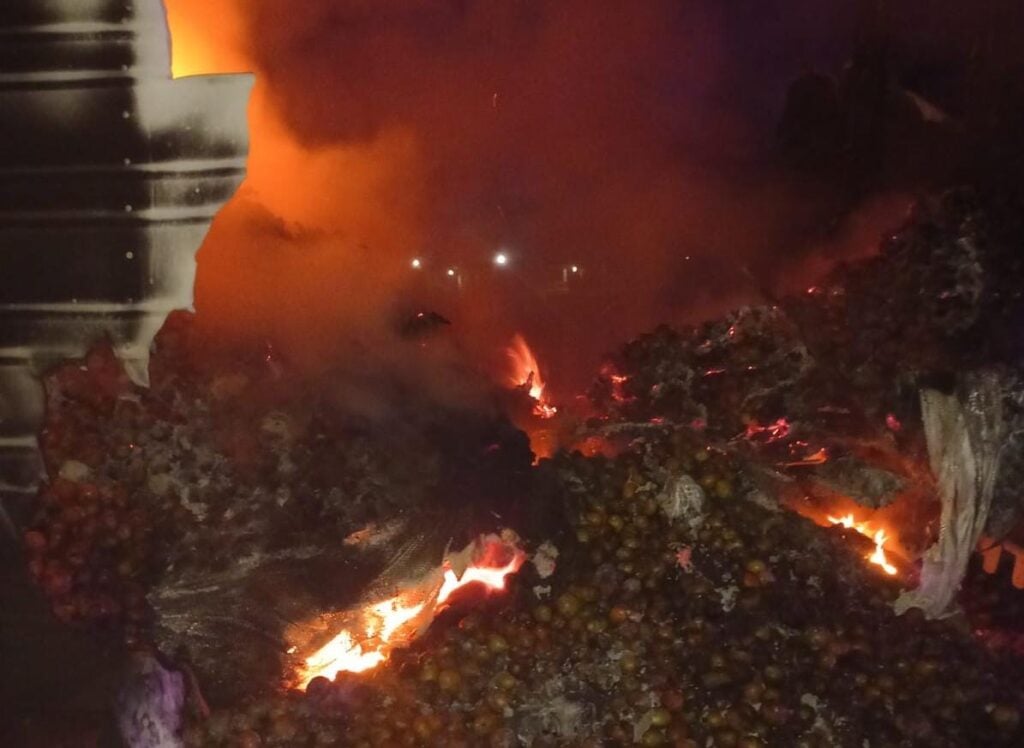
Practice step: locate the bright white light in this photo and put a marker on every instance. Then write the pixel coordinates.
(575, 268)
(451, 272)
(501, 259)
(417, 263)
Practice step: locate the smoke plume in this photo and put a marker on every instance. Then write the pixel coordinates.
(634, 140)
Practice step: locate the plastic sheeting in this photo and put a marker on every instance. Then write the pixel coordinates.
(965, 433)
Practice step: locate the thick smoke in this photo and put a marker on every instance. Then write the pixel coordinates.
(636, 140)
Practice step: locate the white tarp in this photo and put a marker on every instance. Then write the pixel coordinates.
(965, 435)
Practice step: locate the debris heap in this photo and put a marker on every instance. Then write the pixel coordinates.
(665, 622)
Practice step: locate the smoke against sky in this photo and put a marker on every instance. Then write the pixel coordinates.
(634, 138)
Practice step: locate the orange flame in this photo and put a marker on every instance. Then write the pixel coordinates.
(393, 615)
(526, 375)
(878, 558)
(493, 579)
(398, 620)
(342, 653)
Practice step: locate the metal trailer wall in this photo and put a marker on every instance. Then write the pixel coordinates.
(110, 174)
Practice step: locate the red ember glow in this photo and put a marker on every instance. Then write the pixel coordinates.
(774, 431)
(526, 375)
(618, 381)
(817, 458)
(398, 620)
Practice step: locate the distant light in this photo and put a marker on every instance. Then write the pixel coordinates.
(501, 259)
(417, 263)
(575, 268)
(451, 272)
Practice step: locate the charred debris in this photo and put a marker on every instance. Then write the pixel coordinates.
(671, 598)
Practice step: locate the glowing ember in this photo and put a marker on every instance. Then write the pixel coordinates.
(526, 375)
(878, 558)
(774, 431)
(618, 382)
(393, 622)
(817, 458)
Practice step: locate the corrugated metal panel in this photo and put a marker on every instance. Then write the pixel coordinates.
(110, 173)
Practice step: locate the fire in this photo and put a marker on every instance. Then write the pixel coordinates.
(878, 557)
(393, 615)
(879, 537)
(493, 579)
(526, 375)
(342, 654)
(397, 620)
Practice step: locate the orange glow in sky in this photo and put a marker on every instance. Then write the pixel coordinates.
(205, 37)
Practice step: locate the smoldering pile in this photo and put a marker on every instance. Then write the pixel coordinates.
(679, 613)
(685, 608)
(226, 503)
(824, 388)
